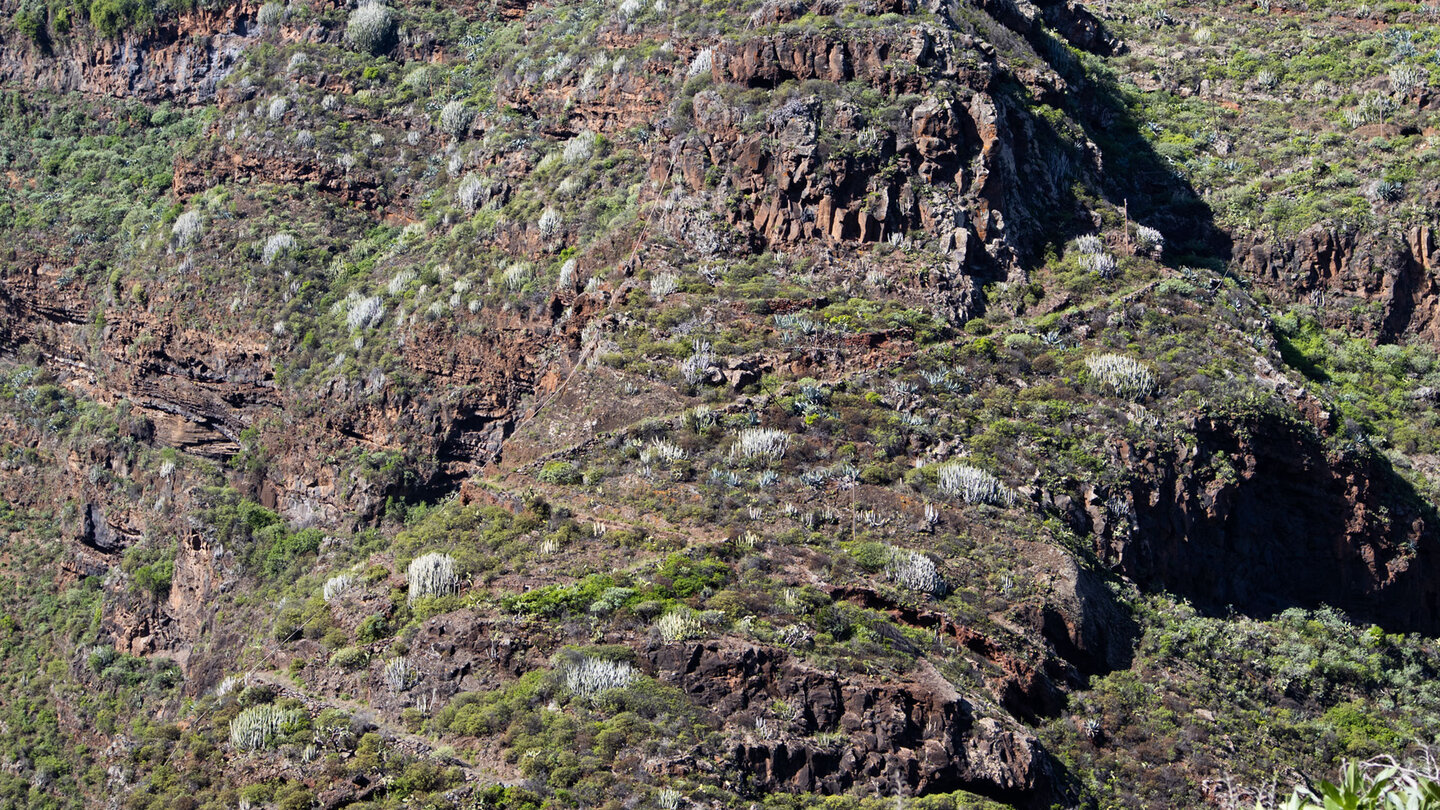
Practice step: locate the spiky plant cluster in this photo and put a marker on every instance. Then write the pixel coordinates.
(420, 79)
(679, 624)
(728, 478)
(361, 311)
(469, 193)
(399, 675)
(1149, 241)
(588, 676)
(1372, 109)
(932, 515)
(973, 485)
(432, 574)
(569, 187)
(761, 443)
(792, 326)
(369, 27)
(1126, 377)
(549, 223)
(1406, 77)
(701, 417)
(1090, 245)
(668, 799)
(662, 284)
(337, 586)
(661, 450)
(400, 281)
(695, 367)
(915, 571)
(276, 110)
(1101, 264)
(256, 727)
(232, 683)
(101, 656)
(1389, 190)
(187, 228)
(702, 63)
(277, 246)
(580, 148)
(455, 118)
(270, 14)
(795, 635)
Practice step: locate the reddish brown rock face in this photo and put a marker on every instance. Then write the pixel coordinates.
(1339, 270)
(900, 738)
(798, 184)
(181, 60)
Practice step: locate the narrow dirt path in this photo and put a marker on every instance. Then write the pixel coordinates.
(409, 742)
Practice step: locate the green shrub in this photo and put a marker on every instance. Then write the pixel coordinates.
(1360, 731)
(256, 695)
(31, 24)
(155, 578)
(560, 472)
(559, 600)
(288, 624)
(294, 796)
(373, 628)
(681, 577)
(284, 547)
(349, 658)
(110, 17)
(151, 569)
(871, 556)
(508, 798)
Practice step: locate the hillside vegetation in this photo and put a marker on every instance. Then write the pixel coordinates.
(725, 404)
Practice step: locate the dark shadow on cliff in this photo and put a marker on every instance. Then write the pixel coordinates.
(1259, 516)
(1133, 176)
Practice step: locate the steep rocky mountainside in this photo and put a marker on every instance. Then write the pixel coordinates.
(682, 404)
